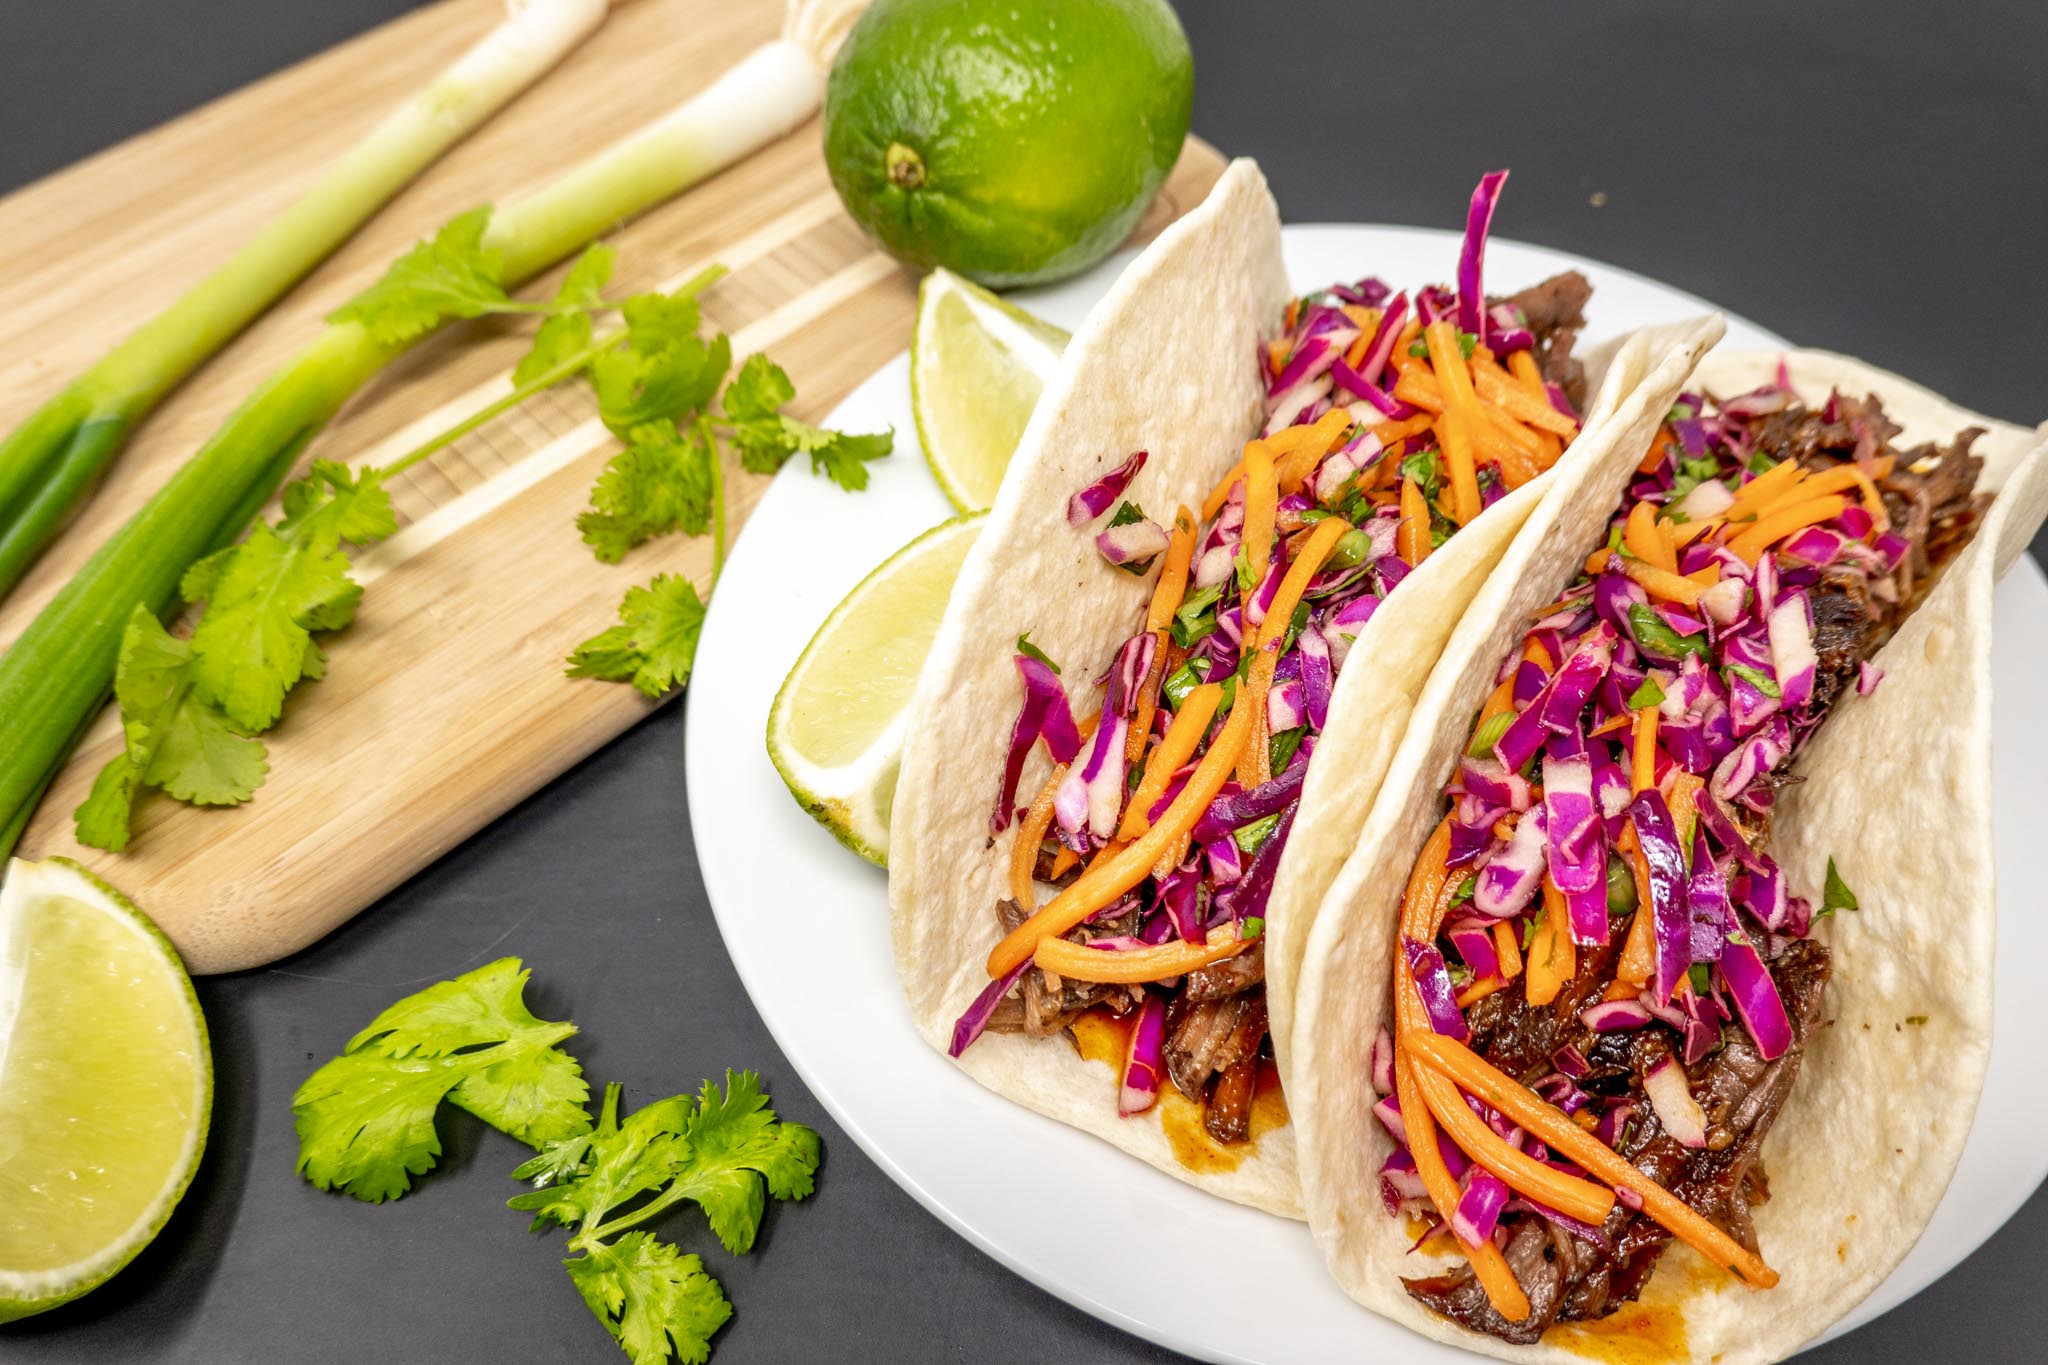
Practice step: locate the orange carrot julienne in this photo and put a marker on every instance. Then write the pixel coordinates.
(1503, 1291)
(1580, 1199)
(1261, 499)
(1175, 853)
(1030, 834)
(1417, 389)
(1662, 582)
(1638, 951)
(1610, 727)
(1762, 489)
(1148, 699)
(1478, 988)
(1079, 962)
(1654, 456)
(1771, 529)
(1498, 388)
(1463, 418)
(1190, 723)
(1644, 541)
(1254, 766)
(1276, 355)
(1507, 949)
(1643, 751)
(1110, 876)
(1062, 860)
(1220, 494)
(1173, 577)
(1536, 652)
(1548, 1124)
(1840, 479)
(1411, 540)
(1426, 879)
(1464, 469)
(1499, 701)
(1523, 366)
(1596, 562)
(1553, 959)
(1389, 432)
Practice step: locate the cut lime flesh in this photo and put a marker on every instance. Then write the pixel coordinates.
(977, 365)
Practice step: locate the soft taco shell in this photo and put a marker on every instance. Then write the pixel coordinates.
(1897, 790)
(1164, 364)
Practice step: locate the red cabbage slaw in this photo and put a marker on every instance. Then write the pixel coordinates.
(1337, 454)
(1626, 766)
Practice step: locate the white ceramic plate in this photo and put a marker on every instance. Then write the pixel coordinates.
(807, 923)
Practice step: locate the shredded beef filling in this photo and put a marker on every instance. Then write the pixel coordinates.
(1554, 312)
(1929, 500)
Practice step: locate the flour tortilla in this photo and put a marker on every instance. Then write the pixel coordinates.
(1165, 363)
(1898, 791)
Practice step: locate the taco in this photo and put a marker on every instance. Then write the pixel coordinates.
(1655, 998)
(1119, 878)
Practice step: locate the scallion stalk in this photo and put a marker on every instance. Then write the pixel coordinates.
(51, 461)
(60, 669)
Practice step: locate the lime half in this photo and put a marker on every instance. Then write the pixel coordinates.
(105, 1084)
(836, 729)
(977, 365)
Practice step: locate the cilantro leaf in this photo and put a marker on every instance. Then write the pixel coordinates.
(1835, 893)
(450, 275)
(653, 1299)
(655, 645)
(766, 438)
(660, 482)
(1031, 651)
(172, 739)
(365, 1120)
(1426, 469)
(1647, 694)
(665, 371)
(1127, 513)
(266, 596)
(583, 287)
(560, 337)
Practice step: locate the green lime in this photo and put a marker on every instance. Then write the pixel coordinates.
(105, 1084)
(1013, 142)
(977, 364)
(835, 732)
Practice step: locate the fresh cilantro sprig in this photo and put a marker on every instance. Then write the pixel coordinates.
(366, 1119)
(192, 708)
(366, 1126)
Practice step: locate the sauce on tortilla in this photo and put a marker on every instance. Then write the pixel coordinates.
(1101, 1036)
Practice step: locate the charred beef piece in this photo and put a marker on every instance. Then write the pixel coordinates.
(1847, 629)
(1199, 1039)
(1228, 1115)
(1231, 976)
(1568, 1278)
(1046, 1004)
(1554, 311)
(1519, 1038)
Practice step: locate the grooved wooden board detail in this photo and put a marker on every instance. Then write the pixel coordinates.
(445, 703)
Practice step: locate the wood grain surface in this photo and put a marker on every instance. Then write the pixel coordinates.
(445, 702)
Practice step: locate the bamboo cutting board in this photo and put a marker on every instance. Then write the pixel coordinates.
(445, 702)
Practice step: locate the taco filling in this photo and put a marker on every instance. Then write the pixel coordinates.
(1604, 986)
(1391, 423)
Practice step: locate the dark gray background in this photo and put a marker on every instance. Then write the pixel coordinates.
(1860, 177)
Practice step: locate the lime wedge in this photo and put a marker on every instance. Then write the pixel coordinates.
(835, 731)
(105, 1084)
(977, 364)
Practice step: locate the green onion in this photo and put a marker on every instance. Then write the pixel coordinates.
(1621, 888)
(1249, 837)
(57, 673)
(1489, 733)
(52, 460)
(1350, 550)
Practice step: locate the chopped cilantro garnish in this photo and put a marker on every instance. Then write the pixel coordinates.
(1031, 651)
(1648, 694)
(1835, 893)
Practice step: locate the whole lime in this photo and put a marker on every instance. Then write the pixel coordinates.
(1013, 141)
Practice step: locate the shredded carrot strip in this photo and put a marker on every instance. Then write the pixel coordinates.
(1523, 366)
(1507, 949)
(1079, 962)
(1366, 320)
(1840, 479)
(1478, 989)
(1672, 587)
(1769, 530)
(1411, 540)
(1426, 879)
(1685, 792)
(1497, 388)
(1220, 494)
(1503, 1291)
(1501, 699)
(1390, 432)
(1063, 860)
(1552, 959)
(1762, 489)
(1173, 578)
(1638, 952)
(1417, 388)
(1610, 727)
(1643, 751)
(1549, 1125)
(1261, 497)
(1148, 700)
(1291, 316)
(1707, 575)
(1639, 533)
(1621, 990)
(1880, 520)
(1030, 834)
(1254, 761)
(1112, 874)
(1596, 562)
(1307, 451)
(1463, 418)
(1654, 456)
(1190, 723)
(1536, 652)
(1171, 858)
